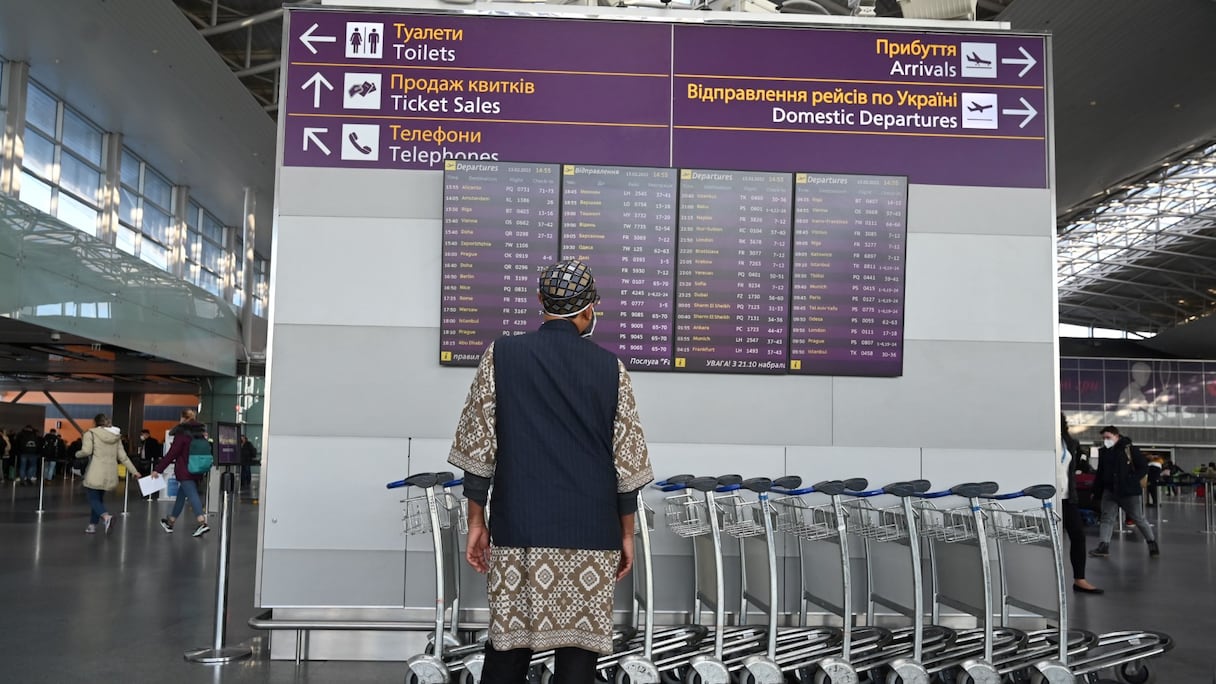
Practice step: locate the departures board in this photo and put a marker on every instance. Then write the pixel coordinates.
(698, 270)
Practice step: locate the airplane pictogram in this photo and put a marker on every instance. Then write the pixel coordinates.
(977, 107)
(977, 60)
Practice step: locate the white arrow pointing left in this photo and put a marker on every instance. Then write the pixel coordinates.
(310, 135)
(1027, 61)
(1028, 112)
(316, 82)
(308, 38)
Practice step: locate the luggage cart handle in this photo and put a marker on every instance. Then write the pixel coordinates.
(1041, 492)
(900, 489)
(967, 490)
(701, 484)
(426, 480)
(831, 487)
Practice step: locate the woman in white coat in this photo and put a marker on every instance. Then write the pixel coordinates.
(104, 444)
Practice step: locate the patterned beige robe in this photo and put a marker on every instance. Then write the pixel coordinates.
(543, 598)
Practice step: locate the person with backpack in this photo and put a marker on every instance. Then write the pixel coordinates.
(29, 448)
(54, 452)
(103, 443)
(190, 456)
(1121, 469)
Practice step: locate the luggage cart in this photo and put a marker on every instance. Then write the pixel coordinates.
(956, 536)
(1078, 655)
(825, 579)
(889, 531)
(753, 523)
(699, 509)
(439, 513)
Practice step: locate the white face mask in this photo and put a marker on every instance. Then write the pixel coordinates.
(590, 328)
(1108, 442)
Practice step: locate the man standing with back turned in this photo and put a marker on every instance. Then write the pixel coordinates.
(551, 424)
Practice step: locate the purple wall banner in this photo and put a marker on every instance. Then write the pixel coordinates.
(410, 91)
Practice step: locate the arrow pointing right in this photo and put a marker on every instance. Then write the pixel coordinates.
(310, 135)
(1027, 61)
(317, 81)
(1029, 112)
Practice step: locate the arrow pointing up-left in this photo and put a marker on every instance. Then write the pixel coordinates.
(310, 135)
(316, 82)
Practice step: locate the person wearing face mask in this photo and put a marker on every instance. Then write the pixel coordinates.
(1121, 467)
(551, 424)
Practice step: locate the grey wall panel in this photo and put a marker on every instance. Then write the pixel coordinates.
(369, 381)
(1012, 468)
(957, 291)
(331, 578)
(954, 394)
(327, 493)
(980, 211)
(734, 409)
(395, 264)
(880, 465)
(360, 192)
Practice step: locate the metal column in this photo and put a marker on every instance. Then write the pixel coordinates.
(12, 102)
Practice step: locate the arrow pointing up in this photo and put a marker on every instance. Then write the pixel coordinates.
(1029, 112)
(310, 135)
(1027, 60)
(316, 82)
(308, 38)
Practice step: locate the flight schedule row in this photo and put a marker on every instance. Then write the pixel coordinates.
(697, 270)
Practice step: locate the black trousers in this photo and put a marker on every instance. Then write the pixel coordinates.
(1076, 539)
(572, 666)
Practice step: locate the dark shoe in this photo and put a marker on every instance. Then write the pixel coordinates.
(1101, 551)
(1082, 590)
(168, 526)
(201, 530)
(1153, 549)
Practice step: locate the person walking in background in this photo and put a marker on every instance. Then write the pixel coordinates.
(1155, 466)
(1121, 466)
(54, 451)
(103, 443)
(29, 448)
(149, 454)
(188, 432)
(248, 456)
(6, 456)
(1066, 468)
(551, 423)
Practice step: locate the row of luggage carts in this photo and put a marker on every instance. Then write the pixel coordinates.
(921, 551)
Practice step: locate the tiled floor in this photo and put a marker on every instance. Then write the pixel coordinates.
(123, 607)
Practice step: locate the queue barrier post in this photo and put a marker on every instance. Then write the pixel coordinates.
(218, 652)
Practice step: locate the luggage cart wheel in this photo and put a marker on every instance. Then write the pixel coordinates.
(427, 669)
(833, 671)
(975, 672)
(634, 669)
(1134, 673)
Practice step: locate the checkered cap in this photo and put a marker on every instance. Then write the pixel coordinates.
(567, 288)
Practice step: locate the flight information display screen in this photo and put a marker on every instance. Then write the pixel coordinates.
(847, 308)
(500, 228)
(698, 270)
(732, 291)
(622, 222)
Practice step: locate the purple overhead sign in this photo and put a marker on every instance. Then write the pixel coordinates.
(410, 91)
